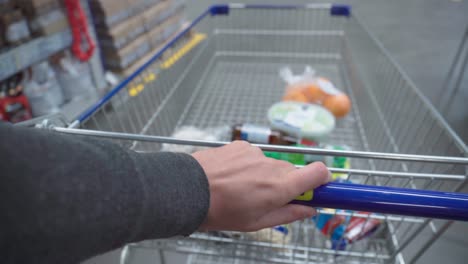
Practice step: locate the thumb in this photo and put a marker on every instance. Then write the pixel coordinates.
(305, 179)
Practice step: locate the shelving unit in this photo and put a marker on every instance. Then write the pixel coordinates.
(21, 57)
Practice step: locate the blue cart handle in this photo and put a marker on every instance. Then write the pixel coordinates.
(388, 200)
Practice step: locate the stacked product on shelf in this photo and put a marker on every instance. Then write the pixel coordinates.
(14, 105)
(45, 17)
(129, 30)
(73, 75)
(14, 28)
(23, 20)
(42, 89)
(38, 75)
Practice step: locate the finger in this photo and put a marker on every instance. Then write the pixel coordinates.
(284, 215)
(256, 150)
(239, 144)
(305, 179)
(282, 166)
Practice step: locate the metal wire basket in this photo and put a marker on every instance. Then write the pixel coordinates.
(223, 70)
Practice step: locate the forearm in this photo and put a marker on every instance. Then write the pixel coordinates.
(68, 198)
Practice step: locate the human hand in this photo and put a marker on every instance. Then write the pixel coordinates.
(249, 191)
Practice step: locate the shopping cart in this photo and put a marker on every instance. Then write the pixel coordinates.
(223, 70)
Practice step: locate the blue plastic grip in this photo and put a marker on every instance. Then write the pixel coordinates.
(340, 10)
(390, 200)
(219, 10)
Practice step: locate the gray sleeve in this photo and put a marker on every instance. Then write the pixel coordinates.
(66, 198)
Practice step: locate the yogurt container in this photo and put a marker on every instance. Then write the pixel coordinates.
(302, 120)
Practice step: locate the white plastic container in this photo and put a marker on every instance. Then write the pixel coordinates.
(43, 90)
(75, 78)
(302, 120)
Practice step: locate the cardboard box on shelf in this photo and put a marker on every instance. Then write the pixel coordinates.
(109, 12)
(33, 8)
(153, 16)
(155, 36)
(138, 6)
(49, 23)
(125, 43)
(162, 32)
(121, 59)
(175, 7)
(121, 34)
(156, 46)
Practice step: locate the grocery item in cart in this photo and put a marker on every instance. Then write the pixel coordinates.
(339, 104)
(297, 158)
(361, 227)
(340, 162)
(294, 158)
(295, 96)
(277, 235)
(194, 133)
(332, 225)
(302, 120)
(307, 87)
(261, 134)
(305, 84)
(343, 229)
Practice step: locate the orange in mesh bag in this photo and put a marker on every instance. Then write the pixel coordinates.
(308, 88)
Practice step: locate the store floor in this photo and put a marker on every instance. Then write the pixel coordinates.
(422, 35)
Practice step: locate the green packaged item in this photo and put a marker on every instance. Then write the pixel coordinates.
(297, 158)
(339, 162)
(294, 158)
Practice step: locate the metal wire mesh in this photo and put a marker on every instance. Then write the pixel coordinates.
(229, 75)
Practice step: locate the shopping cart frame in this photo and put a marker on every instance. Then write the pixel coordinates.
(342, 10)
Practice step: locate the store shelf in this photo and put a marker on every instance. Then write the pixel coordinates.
(36, 50)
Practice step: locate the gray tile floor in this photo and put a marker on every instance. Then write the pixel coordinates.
(422, 35)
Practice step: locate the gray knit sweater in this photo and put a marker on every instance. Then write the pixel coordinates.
(66, 198)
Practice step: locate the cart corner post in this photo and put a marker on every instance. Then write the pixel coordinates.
(340, 10)
(221, 9)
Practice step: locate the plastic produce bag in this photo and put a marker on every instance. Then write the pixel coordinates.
(74, 77)
(193, 133)
(43, 90)
(310, 88)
